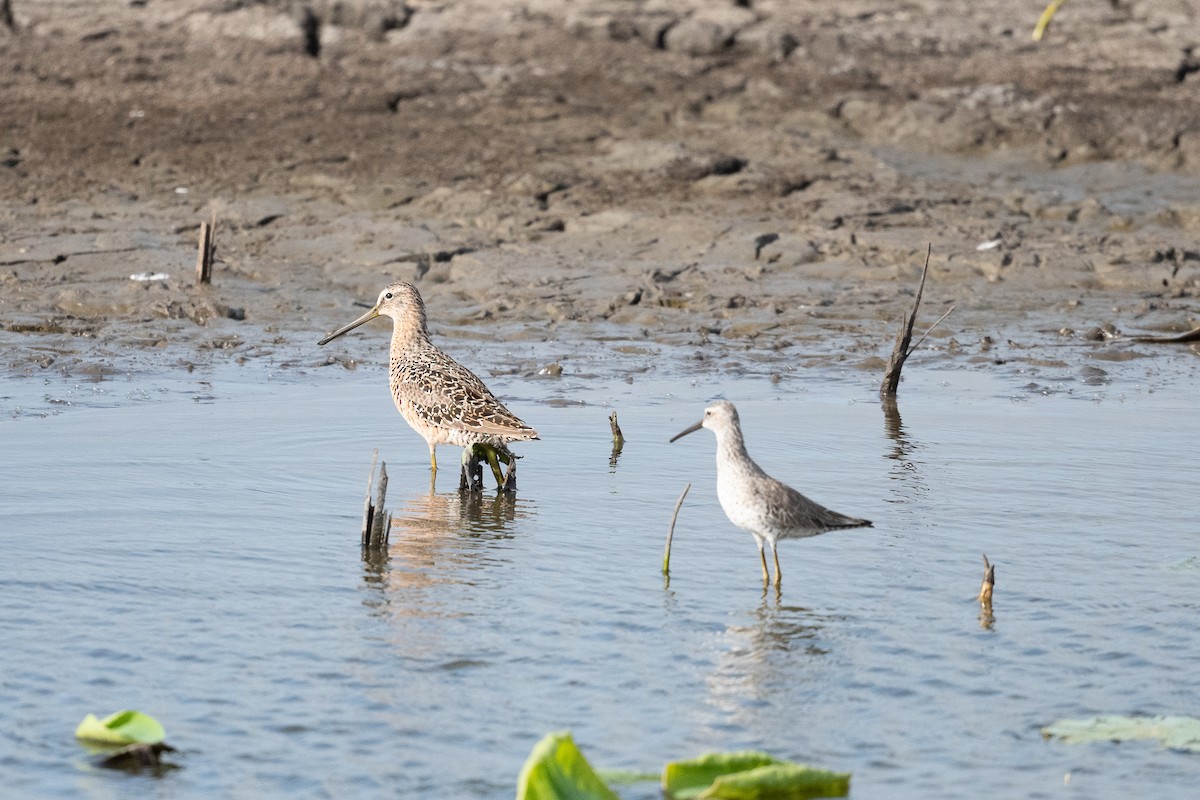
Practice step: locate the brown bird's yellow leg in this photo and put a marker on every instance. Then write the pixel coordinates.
(433, 458)
(762, 557)
(775, 554)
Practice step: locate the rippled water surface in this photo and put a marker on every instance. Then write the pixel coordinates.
(191, 550)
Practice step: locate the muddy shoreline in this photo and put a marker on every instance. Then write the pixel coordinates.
(753, 188)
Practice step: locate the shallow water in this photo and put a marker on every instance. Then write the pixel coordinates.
(188, 547)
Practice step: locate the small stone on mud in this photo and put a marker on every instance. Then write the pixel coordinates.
(1102, 333)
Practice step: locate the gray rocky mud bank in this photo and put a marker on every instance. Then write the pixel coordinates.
(755, 183)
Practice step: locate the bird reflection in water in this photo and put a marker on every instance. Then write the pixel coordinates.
(765, 661)
(438, 539)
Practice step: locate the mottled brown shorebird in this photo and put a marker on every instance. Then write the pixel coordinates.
(756, 502)
(439, 398)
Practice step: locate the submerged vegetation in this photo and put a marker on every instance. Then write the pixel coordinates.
(1174, 733)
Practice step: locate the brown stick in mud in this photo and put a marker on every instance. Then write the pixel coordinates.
(204, 258)
(1184, 338)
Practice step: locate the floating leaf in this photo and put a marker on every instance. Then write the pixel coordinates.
(1176, 733)
(687, 779)
(123, 727)
(625, 777)
(780, 782)
(556, 770)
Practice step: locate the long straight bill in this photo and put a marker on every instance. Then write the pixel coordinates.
(367, 317)
(692, 429)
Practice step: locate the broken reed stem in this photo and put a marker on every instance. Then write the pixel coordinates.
(377, 524)
(618, 437)
(618, 440)
(380, 523)
(368, 508)
(989, 582)
(206, 250)
(666, 567)
(901, 350)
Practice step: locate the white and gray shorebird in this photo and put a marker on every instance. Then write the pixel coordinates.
(756, 502)
(439, 398)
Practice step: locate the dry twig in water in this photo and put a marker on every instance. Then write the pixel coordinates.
(903, 347)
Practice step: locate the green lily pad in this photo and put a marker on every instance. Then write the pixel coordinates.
(121, 728)
(783, 781)
(625, 777)
(1176, 733)
(687, 779)
(750, 775)
(556, 770)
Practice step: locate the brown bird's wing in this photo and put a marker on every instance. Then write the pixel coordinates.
(448, 394)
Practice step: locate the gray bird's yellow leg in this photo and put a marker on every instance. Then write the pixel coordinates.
(763, 558)
(775, 555)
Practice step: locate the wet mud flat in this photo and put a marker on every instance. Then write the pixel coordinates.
(756, 186)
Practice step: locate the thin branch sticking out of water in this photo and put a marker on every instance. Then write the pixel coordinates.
(666, 567)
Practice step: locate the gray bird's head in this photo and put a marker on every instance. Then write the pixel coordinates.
(718, 417)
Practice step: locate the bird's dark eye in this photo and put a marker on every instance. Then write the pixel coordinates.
(387, 296)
